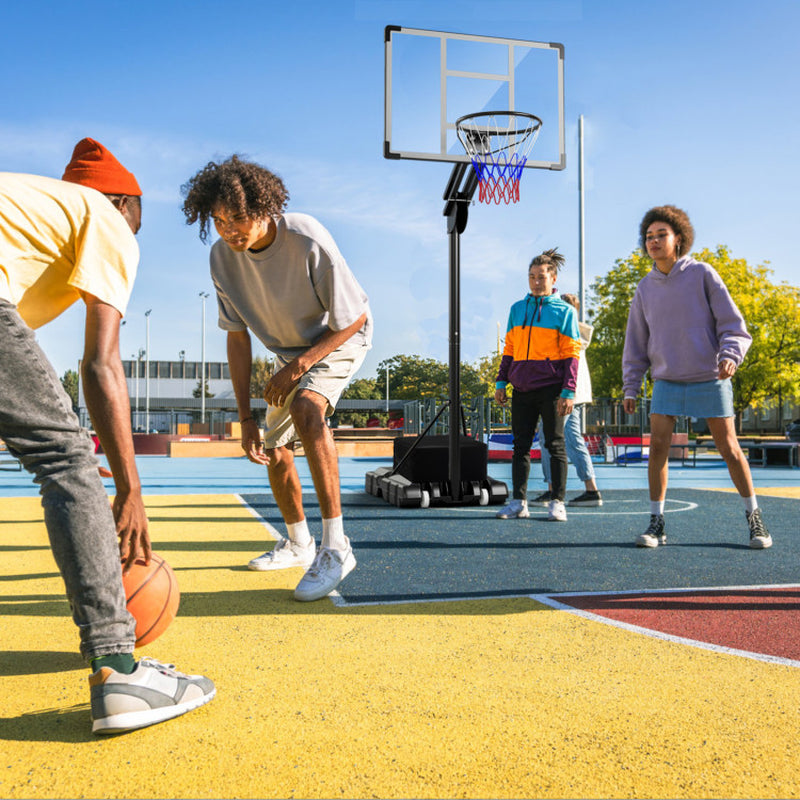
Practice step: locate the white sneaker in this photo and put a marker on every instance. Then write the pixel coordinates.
(328, 570)
(514, 508)
(556, 511)
(153, 692)
(285, 554)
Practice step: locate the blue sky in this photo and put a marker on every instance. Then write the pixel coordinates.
(688, 102)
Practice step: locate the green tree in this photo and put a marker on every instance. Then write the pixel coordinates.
(414, 377)
(771, 369)
(487, 369)
(610, 300)
(197, 391)
(262, 370)
(69, 380)
(361, 389)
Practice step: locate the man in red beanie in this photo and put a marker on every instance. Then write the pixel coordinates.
(63, 241)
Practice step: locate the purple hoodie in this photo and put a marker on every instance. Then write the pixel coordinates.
(681, 326)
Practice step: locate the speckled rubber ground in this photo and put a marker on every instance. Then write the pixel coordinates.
(502, 697)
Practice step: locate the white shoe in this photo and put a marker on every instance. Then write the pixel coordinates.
(329, 569)
(285, 554)
(514, 508)
(556, 511)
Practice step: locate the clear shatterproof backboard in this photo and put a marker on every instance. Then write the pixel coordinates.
(433, 78)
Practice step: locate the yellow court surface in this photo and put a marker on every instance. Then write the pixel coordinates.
(502, 697)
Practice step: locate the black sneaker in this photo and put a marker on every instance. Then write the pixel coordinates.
(655, 533)
(759, 535)
(587, 499)
(544, 499)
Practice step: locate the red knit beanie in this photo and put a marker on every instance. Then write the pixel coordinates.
(95, 166)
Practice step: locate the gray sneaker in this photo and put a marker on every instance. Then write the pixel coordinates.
(153, 692)
(328, 570)
(655, 533)
(513, 509)
(285, 554)
(759, 535)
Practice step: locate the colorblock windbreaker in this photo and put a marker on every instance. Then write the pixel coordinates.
(542, 346)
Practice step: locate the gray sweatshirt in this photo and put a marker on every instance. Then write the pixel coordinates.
(292, 292)
(680, 327)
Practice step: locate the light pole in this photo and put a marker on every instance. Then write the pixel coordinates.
(203, 296)
(182, 357)
(147, 371)
(387, 389)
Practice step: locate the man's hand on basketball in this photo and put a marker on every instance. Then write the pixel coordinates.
(252, 444)
(281, 384)
(131, 522)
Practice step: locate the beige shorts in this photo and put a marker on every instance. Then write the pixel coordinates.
(328, 377)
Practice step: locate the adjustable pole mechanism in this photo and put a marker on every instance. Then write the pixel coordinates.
(457, 196)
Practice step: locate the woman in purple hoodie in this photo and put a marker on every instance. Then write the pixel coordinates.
(686, 330)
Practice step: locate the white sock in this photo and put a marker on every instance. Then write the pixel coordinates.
(333, 534)
(299, 533)
(657, 507)
(750, 504)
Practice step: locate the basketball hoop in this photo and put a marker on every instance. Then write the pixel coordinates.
(498, 143)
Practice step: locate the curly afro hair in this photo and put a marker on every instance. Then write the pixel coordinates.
(677, 219)
(551, 259)
(237, 185)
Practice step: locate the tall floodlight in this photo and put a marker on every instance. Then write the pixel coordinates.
(581, 227)
(203, 297)
(182, 357)
(136, 388)
(147, 372)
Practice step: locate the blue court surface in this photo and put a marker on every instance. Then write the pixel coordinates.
(448, 552)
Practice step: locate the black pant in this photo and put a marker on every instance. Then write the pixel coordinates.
(526, 408)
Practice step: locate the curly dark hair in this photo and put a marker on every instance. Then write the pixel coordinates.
(677, 219)
(240, 186)
(552, 259)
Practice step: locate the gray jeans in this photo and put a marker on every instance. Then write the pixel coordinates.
(40, 428)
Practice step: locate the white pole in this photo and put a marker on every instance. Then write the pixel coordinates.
(147, 372)
(136, 356)
(203, 296)
(387, 388)
(581, 234)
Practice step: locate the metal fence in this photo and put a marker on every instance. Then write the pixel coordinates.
(482, 415)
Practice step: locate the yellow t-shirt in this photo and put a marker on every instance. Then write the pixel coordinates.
(59, 238)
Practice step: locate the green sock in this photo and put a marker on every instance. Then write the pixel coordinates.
(119, 662)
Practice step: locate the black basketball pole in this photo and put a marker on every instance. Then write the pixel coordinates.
(458, 195)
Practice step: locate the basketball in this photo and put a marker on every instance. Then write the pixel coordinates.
(152, 595)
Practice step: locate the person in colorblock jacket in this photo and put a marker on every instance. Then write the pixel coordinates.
(540, 361)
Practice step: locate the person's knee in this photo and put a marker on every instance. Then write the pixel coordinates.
(308, 413)
(279, 459)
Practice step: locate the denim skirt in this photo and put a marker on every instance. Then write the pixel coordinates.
(706, 399)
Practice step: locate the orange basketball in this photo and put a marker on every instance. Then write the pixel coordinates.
(152, 595)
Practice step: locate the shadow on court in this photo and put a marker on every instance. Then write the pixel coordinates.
(465, 552)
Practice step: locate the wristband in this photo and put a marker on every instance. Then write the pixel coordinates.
(246, 419)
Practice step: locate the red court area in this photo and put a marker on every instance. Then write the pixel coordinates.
(763, 620)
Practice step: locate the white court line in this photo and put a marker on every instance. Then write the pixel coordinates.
(552, 601)
(273, 532)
